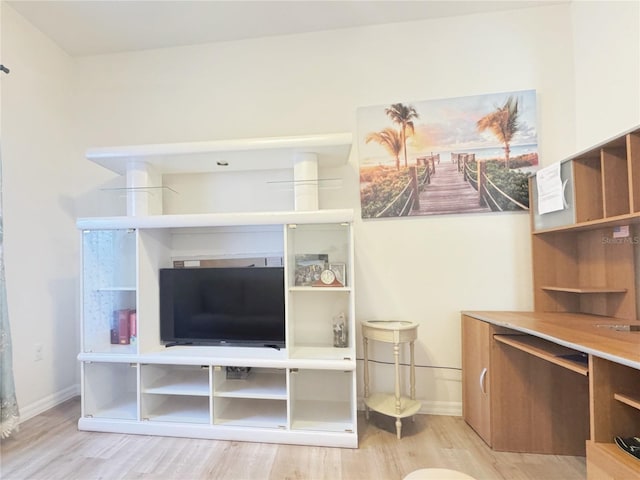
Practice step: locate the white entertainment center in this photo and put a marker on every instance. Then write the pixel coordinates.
(302, 394)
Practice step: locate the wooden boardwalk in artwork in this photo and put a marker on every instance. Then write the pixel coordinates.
(448, 192)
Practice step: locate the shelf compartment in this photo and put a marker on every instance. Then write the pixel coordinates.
(260, 384)
(615, 180)
(175, 380)
(587, 272)
(588, 187)
(250, 412)
(110, 390)
(108, 281)
(615, 392)
(325, 416)
(331, 239)
(631, 400)
(310, 319)
(633, 157)
(176, 409)
(551, 352)
(607, 460)
(322, 400)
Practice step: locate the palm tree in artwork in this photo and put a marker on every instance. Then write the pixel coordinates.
(403, 115)
(503, 122)
(390, 139)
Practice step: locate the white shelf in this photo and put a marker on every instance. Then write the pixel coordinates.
(182, 383)
(217, 219)
(320, 289)
(313, 352)
(386, 403)
(181, 410)
(240, 155)
(125, 408)
(258, 385)
(252, 413)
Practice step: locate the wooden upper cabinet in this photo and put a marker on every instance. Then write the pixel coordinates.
(587, 265)
(633, 158)
(600, 185)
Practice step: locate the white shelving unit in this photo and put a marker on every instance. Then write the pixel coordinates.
(302, 394)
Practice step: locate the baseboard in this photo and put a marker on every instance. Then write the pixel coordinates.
(452, 409)
(44, 404)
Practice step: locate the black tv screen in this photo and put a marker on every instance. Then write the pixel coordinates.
(222, 306)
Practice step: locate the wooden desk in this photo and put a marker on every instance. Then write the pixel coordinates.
(527, 389)
(396, 405)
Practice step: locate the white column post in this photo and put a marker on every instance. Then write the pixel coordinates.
(305, 178)
(144, 189)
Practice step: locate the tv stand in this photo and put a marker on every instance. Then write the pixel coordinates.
(302, 394)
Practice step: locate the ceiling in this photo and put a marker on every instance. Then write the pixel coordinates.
(90, 27)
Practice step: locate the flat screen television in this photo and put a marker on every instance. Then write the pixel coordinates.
(222, 306)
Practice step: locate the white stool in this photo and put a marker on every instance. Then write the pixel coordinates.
(437, 474)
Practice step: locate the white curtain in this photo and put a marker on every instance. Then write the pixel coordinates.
(9, 413)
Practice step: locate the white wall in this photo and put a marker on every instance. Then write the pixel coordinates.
(40, 239)
(424, 269)
(607, 84)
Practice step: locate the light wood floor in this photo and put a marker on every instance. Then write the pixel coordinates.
(49, 447)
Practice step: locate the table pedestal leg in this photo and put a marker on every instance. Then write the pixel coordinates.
(365, 342)
(396, 356)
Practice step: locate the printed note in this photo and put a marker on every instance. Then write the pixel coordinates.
(550, 195)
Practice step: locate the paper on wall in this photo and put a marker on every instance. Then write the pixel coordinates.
(550, 195)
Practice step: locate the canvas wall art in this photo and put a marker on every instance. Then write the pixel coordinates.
(469, 154)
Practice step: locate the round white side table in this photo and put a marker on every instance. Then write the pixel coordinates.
(437, 474)
(394, 405)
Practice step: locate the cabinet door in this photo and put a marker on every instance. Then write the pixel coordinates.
(109, 390)
(476, 410)
(109, 291)
(323, 400)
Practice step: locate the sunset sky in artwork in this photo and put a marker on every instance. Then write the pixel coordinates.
(446, 125)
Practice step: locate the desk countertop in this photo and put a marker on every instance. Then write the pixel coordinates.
(590, 334)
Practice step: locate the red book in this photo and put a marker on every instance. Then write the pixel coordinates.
(120, 327)
(133, 329)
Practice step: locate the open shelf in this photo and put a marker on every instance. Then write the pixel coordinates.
(259, 384)
(619, 464)
(176, 409)
(631, 400)
(247, 412)
(585, 290)
(123, 408)
(551, 352)
(195, 383)
(226, 155)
